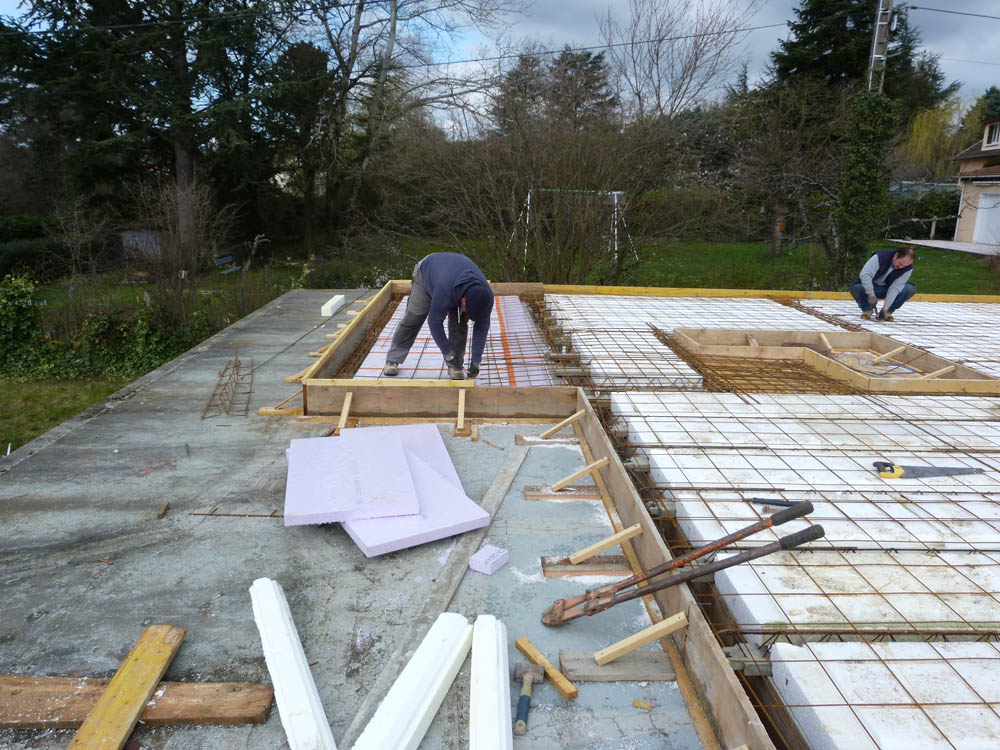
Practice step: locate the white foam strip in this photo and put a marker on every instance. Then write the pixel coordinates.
(332, 305)
(402, 718)
(299, 705)
(489, 695)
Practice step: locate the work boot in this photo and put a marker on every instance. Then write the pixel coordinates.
(390, 370)
(885, 316)
(455, 372)
(867, 314)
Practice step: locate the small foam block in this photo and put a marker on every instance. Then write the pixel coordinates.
(489, 559)
(444, 511)
(358, 475)
(332, 305)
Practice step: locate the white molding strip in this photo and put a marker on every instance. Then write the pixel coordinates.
(489, 694)
(299, 705)
(332, 305)
(402, 718)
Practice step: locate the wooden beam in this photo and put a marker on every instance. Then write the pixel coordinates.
(938, 373)
(888, 354)
(566, 688)
(64, 702)
(460, 422)
(640, 639)
(826, 341)
(588, 469)
(611, 541)
(344, 412)
(565, 423)
(116, 712)
(648, 666)
(376, 383)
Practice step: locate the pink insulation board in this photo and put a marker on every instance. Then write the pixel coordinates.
(489, 559)
(339, 479)
(444, 511)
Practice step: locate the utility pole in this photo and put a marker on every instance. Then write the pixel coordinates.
(884, 23)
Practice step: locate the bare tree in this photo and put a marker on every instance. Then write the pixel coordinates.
(667, 55)
(82, 231)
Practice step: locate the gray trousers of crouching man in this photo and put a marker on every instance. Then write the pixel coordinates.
(417, 306)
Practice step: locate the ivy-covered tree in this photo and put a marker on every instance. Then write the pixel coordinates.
(831, 41)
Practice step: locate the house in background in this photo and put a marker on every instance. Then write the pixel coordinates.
(979, 179)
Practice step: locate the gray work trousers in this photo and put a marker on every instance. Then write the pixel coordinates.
(417, 307)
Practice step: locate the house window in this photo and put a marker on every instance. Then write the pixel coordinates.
(993, 134)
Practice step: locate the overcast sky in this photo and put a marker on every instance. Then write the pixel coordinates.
(968, 46)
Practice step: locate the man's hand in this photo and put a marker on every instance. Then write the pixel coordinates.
(473, 370)
(872, 299)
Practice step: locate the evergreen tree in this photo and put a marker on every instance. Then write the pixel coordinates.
(831, 41)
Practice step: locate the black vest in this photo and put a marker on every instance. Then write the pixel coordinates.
(885, 262)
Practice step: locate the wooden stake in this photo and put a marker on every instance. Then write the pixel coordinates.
(342, 423)
(936, 373)
(640, 639)
(826, 341)
(752, 340)
(117, 711)
(460, 422)
(565, 423)
(588, 469)
(611, 541)
(892, 353)
(162, 510)
(566, 688)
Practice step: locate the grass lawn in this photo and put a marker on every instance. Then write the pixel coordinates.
(750, 265)
(29, 409)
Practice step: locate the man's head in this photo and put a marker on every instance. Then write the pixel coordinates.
(478, 302)
(903, 258)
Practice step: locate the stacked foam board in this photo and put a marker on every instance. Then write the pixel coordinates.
(390, 487)
(514, 353)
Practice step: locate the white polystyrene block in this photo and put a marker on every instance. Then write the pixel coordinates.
(332, 305)
(489, 688)
(402, 718)
(489, 559)
(299, 705)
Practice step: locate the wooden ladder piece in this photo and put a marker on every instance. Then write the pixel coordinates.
(938, 373)
(64, 702)
(588, 469)
(117, 711)
(888, 354)
(611, 541)
(640, 639)
(566, 688)
(565, 423)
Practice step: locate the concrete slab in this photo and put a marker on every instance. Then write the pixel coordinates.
(88, 491)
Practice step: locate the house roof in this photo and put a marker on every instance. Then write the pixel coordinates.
(974, 151)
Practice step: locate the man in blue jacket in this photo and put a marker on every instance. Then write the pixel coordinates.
(886, 276)
(445, 285)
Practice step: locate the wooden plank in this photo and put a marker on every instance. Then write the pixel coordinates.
(395, 401)
(752, 340)
(460, 421)
(888, 354)
(579, 492)
(713, 695)
(645, 666)
(344, 412)
(642, 638)
(826, 341)
(566, 688)
(116, 712)
(600, 565)
(565, 423)
(376, 383)
(611, 541)
(588, 469)
(64, 702)
(938, 373)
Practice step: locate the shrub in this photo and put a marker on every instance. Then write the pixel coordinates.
(21, 227)
(19, 316)
(40, 257)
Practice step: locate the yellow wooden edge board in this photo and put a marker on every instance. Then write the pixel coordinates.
(378, 383)
(117, 711)
(653, 291)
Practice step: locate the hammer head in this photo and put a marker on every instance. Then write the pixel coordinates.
(537, 672)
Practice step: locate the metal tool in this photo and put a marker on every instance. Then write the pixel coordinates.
(888, 470)
(772, 503)
(529, 674)
(600, 599)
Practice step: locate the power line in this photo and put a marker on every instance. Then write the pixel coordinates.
(953, 12)
(975, 62)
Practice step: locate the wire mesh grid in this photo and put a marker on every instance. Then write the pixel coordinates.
(514, 353)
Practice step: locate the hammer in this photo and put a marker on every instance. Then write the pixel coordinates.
(528, 674)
